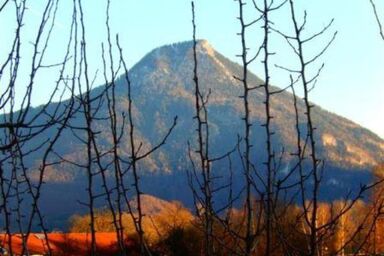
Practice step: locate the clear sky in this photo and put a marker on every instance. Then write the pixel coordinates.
(351, 84)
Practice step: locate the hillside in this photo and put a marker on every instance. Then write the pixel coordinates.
(162, 88)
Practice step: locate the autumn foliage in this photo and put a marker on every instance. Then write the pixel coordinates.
(172, 229)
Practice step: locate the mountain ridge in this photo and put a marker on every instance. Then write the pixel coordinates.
(253, 80)
(162, 88)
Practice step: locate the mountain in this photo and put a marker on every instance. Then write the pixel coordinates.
(162, 88)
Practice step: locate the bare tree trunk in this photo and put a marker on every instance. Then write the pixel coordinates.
(249, 233)
(203, 149)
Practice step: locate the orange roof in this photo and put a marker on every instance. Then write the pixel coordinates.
(62, 243)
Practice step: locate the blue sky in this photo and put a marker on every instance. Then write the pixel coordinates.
(351, 84)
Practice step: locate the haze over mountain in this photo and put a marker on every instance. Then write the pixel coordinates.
(162, 88)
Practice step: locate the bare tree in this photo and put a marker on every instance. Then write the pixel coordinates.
(378, 20)
(100, 159)
(203, 149)
(246, 157)
(137, 154)
(201, 177)
(266, 191)
(22, 125)
(311, 180)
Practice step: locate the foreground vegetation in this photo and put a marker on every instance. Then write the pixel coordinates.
(174, 230)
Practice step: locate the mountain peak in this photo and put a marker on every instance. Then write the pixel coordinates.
(177, 59)
(185, 48)
(205, 47)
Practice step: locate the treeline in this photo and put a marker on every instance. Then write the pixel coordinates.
(174, 230)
